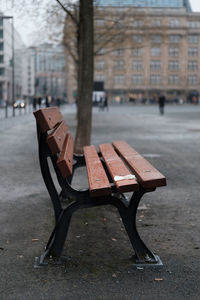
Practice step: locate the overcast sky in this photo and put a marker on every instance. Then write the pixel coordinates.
(28, 28)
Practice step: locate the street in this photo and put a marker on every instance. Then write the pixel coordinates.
(99, 264)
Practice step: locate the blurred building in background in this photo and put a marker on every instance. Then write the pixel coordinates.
(6, 56)
(28, 74)
(50, 72)
(12, 59)
(143, 48)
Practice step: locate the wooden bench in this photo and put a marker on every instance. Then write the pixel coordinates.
(116, 169)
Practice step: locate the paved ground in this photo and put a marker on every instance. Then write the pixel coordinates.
(100, 266)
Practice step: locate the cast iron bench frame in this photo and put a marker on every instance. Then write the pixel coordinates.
(48, 121)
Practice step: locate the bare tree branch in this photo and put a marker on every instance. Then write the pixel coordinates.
(68, 12)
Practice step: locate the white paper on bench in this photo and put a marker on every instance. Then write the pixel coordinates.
(130, 176)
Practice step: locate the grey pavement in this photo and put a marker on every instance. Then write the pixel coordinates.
(99, 264)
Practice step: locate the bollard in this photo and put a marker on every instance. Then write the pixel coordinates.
(6, 110)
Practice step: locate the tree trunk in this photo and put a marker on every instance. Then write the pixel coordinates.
(85, 75)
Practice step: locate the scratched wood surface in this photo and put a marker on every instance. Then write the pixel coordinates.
(56, 138)
(48, 117)
(117, 167)
(65, 160)
(148, 176)
(98, 182)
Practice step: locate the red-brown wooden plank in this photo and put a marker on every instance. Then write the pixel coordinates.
(48, 117)
(116, 167)
(149, 176)
(65, 160)
(56, 138)
(98, 182)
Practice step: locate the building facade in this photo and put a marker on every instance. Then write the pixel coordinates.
(50, 72)
(5, 59)
(28, 74)
(145, 47)
(11, 47)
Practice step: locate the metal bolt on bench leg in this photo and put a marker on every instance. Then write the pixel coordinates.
(39, 262)
(157, 263)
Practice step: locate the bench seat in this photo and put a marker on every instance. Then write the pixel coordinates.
(120, 160)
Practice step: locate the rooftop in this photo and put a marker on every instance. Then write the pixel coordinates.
(147, 3)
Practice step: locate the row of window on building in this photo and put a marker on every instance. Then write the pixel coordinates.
(158, 38)
(172, 38)
(154, 22)
(155, 65)
(50, 62)
(155, 51)
(138, 79)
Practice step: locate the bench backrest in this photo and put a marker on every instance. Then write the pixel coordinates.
(59, 139)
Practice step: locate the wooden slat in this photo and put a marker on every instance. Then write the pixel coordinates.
(56, 138)
(149, 176)
(116, 167)
(48, 117)
(65, 160)
(98, 182)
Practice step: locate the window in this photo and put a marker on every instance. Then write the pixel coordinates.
(102, 51)
(1, 46)
(100, 77)
(100, 64)
(173, 65)
(173, 51)
(193, 39)
(119, 79)
(137, 52)
(137, 65)
(193, 24)
(2, 71)
(100, 22)
(192, 79)
(193, 51)
(155, 79)
(173, 79)
(137, 79)
(192, 65)
(119, 64)
(155, 51)
(1, 59)
(138, 23)
(174, 23)
(1, 21)
(155, 65)
(119, 52)
(156, 22)
(156, 38)
(174, 38)
(1, 34)
(138, 38)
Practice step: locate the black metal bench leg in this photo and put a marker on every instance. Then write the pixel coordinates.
(61, 230)
(56, 240)
(143, 256)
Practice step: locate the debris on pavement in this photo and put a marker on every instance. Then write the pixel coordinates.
(35, 240)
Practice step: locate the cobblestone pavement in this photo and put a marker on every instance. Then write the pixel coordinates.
(99, 264)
